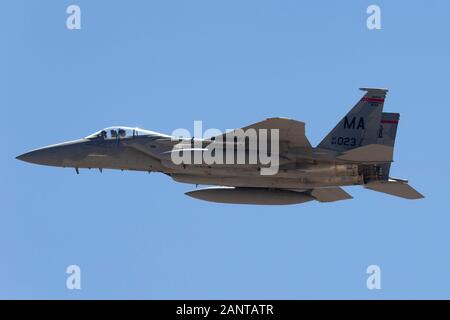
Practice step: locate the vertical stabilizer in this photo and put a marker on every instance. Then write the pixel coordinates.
(361, 124)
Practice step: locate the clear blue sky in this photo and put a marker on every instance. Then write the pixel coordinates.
(160, 65)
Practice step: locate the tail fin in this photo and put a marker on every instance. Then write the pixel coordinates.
(386, 136)
(360, 126)
(388, 128)
(382, 183)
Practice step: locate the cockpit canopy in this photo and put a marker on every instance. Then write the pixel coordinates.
(119, 133)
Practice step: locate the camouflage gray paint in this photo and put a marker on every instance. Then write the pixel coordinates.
(358, 151)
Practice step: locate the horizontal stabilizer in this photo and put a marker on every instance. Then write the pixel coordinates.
(395, 188)
(374, 153)
(330, 194)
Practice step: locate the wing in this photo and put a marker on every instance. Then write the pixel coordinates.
(290, 131)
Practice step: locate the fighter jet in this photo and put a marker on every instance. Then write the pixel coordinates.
(358, 151)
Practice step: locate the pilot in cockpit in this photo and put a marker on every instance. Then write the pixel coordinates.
(119, 133)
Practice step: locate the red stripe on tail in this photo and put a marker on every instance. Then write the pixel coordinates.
(373, 99)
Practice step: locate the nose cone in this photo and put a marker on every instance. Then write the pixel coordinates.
(57, 154)
(45, 156)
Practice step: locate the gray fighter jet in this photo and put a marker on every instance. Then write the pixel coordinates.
(358, 151)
